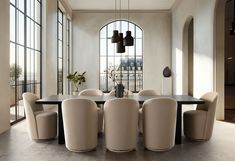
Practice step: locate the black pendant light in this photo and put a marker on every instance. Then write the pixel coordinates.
(120, 46)
(232, 29)
(115, 38)
(128, 40)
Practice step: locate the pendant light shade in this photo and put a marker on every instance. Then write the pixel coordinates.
(120, 46)
(115, 37)
(128, 40)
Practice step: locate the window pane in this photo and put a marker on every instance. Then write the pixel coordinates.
(131, 50)
(20, 63)
(124, 27)
(60, 14)
(21, 28)
(20, 5)
(60, 32)
(12, 54)
(60, 49)
(139, 45)
(30, 66)
(32, 10)
(139, 80)
(103, 79)
(37, 12)
(139, 33)
(102, 64)
(132, 29)
(28, 35)
(12, 23)
(12, 1)
(32, 39)
(37, 37)
(110, 30)
(139, 63)
(111, 47)
(103, 47)
(117, 62)
(28, 7)
(132, 80)
(103, 33)
(37, 67)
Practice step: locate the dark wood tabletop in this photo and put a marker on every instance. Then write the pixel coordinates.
(57, 99)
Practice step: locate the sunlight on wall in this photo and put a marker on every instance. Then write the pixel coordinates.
(179, 69)
(203, 74)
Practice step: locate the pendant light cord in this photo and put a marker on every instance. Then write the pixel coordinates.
(120, 14)
(115, 24)
(128, 13)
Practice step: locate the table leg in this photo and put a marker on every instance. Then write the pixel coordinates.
(60, 126)
(178, 134)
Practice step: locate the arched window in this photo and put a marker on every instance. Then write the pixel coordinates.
(128, 66)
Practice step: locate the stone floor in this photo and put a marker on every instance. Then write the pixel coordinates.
(230, 116)
(15, 145)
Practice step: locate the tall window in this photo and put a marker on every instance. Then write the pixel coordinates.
(68, 34)
(127, 66)
(25, 53)
(60, 52)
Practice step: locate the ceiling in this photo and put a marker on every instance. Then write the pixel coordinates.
(110, 4)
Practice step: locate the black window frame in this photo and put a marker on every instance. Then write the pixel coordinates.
(60, 74)
(137, 87)
(26, 85)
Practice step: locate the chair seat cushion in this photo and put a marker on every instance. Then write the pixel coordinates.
(194, 124)
(47, 124)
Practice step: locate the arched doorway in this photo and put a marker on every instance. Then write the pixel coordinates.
(223, 57)
(188, 50)
(229, 56)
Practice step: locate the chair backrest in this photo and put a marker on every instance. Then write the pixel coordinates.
(30, 108)
(91, 92)
(126, 92)
(159, 123)
(210, 99)
(147, 92)
(121, 122)
(80, 119)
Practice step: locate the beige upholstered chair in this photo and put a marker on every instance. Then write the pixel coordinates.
(126, 93)
(41, 124)
(91, 92)
(121, 120)
(159, 123)
(198, 124)
(80, 120)
(145, 92)
(95, 92)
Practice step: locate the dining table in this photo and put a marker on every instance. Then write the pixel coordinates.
(181, 100)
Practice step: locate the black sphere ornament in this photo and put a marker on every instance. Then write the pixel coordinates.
(167, 72)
